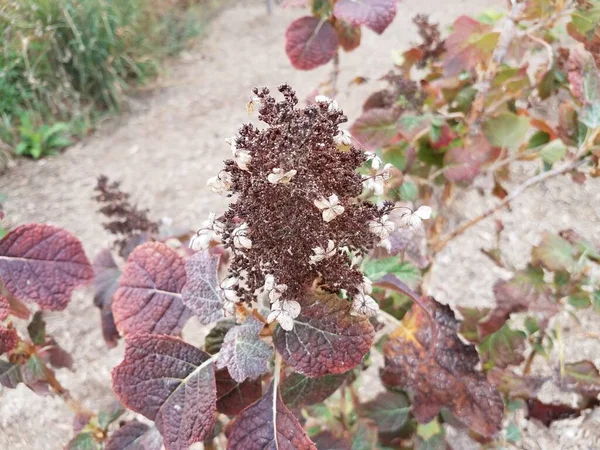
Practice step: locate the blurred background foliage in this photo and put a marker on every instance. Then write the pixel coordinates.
(66, 63)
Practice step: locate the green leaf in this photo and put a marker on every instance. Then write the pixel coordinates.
(503, 348)
(531, 325)
(506, 130)
(10, 374)
(555, 253)
(409, 191)
(405, 271)
(538, 138)
(365, 436)
(389, 410)
(580, 300)
(431, 436)
(37, 329)
(108, 416)
(513, 434)
(553, 151)
(83, 441)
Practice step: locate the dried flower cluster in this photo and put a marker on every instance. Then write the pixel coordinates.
(126, 221)
(432, 46)
(297, 222)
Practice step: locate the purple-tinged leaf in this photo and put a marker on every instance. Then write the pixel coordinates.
(233, 397)
(4, 307)
(503, 348)
(170, 382)
(57, 356)
(470, 43)
(8, 339)
(376, 127)
(310, 42)
(106, 282)
(582, 377)
(243, 352)
(201, 291)
(43, 264)
(555, 253)
(268, 424)
(365, 435)
(375, 14)
(326, 338)
(134, 436)
(148, 299)
(298, 390)
(463, 163)
(10, 374)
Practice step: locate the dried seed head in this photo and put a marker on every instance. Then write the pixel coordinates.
(297, 220)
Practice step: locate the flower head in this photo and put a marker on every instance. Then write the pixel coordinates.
(288, 203)
(220, 184)
(382, 227)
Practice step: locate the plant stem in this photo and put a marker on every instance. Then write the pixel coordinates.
(335, 72)
(506, 37)
(531, 356)
(440, 244)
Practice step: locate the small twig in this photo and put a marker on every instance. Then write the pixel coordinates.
(548, 48)
(514, 194)
(335, 72)
(506, 36)
(531, 356)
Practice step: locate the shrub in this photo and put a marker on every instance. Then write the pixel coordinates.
(322, 259)
(66, 59)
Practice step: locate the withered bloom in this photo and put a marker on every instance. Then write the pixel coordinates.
(296, 220)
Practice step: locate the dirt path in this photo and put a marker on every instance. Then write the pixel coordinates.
(164, 154)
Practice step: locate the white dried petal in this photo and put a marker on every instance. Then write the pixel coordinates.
(243, 158)
(278, 176)
(375, 162)
(424, 212)
(386, 171)
(284, 312)
(343, 138)
(382, 227)
(366, 287)
(331, 104)
(385, 244)
(229, 308)
(414, 220)
(375, 184)
(221, 183)
(240, 238)
(330, 207)
(365, 304)
(276, 293)
(269, 282)
(203, 239)
(321, 253)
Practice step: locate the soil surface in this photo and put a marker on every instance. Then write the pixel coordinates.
(173, 140)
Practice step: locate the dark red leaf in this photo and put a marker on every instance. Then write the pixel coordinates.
(268, 424)
(310, 42)
(376, 127)
(57, 356)
(233, 397)
(325, 339)
(43, 264)
(243, 352)
(8, 339)
(298, 390)
(106, 282)
(18, 308)
(548, 413)
(375, 14)
(463, 163)
(201, 291)
(134, 436)
(348, 35)
(4, 307)
(445, 378)
(170, 382)
(148, 299)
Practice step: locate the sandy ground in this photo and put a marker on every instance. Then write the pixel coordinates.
(174, 140)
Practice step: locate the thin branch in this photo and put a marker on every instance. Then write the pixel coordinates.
(514, 194)
(335, 72)
(506, 36)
